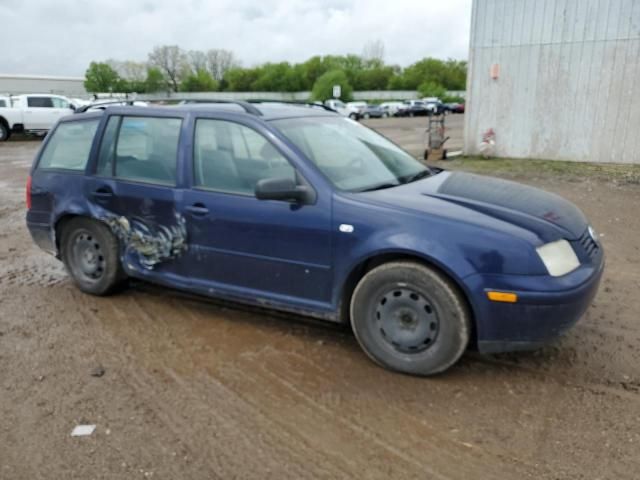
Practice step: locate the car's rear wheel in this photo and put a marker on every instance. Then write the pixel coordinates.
(410, 318)
(90, 253)
(4, 132)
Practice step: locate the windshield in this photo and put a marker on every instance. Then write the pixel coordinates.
(352, 157)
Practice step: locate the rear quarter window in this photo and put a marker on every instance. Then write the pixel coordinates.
(69, 146)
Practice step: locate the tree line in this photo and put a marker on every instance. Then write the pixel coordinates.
(170, 68)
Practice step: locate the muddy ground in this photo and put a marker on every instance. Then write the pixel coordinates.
(197, 390)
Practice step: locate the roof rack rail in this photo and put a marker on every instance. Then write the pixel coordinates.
(293, 102)
(248, 108)
(102, 105)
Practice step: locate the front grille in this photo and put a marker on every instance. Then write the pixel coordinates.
(588, 244)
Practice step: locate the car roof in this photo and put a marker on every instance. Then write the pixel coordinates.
(266, 111)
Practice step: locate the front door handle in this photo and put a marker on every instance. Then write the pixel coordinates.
(102, 193)
(197, 210)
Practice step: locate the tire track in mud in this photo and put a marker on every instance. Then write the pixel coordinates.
(230, 415)
(251, 372)
(423, 433)
(243, 370)
(279, 422)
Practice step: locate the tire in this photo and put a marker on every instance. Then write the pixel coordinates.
(353, 116)
(4, 132)
(385, 115)
(410, 318)
(91, 255)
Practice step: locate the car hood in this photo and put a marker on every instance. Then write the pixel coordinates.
(546, 214)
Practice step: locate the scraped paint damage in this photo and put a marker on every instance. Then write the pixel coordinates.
(150, 242)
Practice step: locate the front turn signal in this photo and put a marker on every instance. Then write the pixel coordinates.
(505, 297)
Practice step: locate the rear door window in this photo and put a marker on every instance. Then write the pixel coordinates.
(143, 149)
(69, 146)
(3, 103)
(40, 102)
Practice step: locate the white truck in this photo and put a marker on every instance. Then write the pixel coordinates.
(347, 110)
(34, 114)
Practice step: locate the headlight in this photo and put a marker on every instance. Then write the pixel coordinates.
(558, 257)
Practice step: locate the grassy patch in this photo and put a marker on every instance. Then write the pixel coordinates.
(563, 170)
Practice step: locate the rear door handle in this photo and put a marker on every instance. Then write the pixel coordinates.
(103, 193)
(197, 209)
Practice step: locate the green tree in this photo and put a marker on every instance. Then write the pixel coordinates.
(155, 81)
(323, 88)
(200, 81)
(432, 89)
(376, 78)
(100, 77)
(451, 74)
(278, 77)
(240, 79)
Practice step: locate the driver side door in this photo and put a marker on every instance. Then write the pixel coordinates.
(263, 249)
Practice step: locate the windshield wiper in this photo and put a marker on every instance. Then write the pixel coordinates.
(417, 176)
(380, 186)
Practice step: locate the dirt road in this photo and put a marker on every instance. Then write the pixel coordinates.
(196, 390)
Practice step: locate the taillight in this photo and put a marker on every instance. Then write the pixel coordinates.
(28, 192)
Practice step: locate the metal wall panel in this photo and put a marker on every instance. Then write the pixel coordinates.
(569, 83)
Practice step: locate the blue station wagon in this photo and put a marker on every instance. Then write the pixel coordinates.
(296, 208)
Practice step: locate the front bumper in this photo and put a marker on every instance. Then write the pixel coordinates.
(546, 307)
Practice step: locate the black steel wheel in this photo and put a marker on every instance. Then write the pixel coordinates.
(90, 253)
(410, 318)
(406, 320)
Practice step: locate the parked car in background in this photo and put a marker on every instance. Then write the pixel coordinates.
(413, 108)
(391, 107)
(435, 107)
(373, 111)
(459, 108)
(449, 107)
(342, 108)
(356, 108)
(34, 114)
(298, 209)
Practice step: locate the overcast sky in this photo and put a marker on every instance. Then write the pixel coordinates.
(61, 37)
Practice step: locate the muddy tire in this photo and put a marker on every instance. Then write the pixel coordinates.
(4, 132)
(410, 318)
(90, 253)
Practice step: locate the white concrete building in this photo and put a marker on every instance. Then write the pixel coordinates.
(556, 79)
(17, 84)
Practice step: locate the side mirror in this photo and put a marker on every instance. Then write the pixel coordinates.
(72, 107)
(282, 189)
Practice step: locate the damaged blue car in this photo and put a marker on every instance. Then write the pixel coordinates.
(295, 208)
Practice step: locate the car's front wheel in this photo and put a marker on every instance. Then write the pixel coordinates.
(410, 318)
(90, 253)
(4, 132)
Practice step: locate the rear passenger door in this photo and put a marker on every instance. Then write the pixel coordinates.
(40, 113)
(134, 191)
(256, 248)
